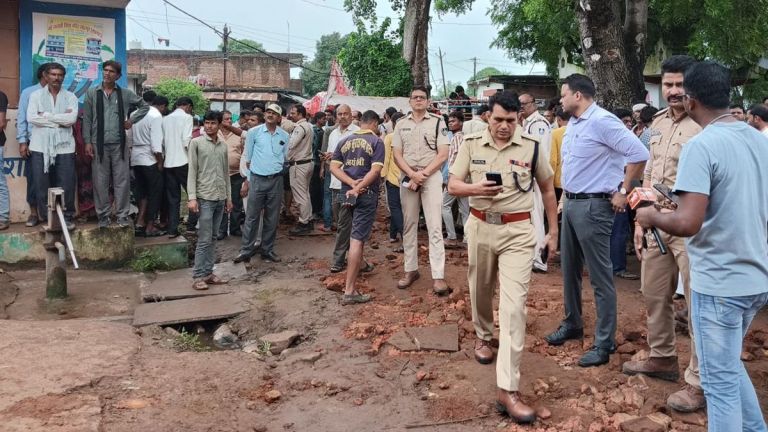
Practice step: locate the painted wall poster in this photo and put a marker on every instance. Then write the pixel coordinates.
(81, 44)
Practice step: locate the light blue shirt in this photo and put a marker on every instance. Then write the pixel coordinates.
(596, 146)
(23, 131)
(729, 255)
(266, 150)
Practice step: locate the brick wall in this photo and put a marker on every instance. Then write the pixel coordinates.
(243, 71)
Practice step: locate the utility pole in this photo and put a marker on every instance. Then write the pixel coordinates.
(474, 73)
(442, 71)
(225, 47)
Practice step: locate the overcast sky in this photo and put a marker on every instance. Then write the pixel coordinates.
(298, 24)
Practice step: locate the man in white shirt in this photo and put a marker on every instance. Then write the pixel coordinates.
(177, 132)
(757, 117)
(537, 127)
(344, 129)
(147, 163)
(52, 111)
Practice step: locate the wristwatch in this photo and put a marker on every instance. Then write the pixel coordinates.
(623, 190)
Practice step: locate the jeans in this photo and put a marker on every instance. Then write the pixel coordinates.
(60, 174)
(327, 202)
(5, 200)
(448, 200)
(235, 182)
(720, 324)
(619, 241)
(175, 179)
(395, 211)
(205, 253)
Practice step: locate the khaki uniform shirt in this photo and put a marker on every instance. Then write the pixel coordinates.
(478, 155)
(668, 136)
(300, 145)
(234, 150)
(420, 140)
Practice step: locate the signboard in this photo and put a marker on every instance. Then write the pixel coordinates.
(81, 44)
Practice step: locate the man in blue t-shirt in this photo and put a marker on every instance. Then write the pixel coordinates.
(723, 208)
(357, 162)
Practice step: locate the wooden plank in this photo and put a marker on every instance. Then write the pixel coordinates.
(188, 310)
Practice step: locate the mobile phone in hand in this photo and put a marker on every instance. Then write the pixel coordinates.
(350, 201)
(494, 177)
(406, 183)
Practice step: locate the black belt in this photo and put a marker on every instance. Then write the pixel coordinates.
(582, 196)
(271, 176)
(301, 162)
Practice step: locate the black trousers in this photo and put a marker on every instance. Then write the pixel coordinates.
(60, 174)
(149, 185)
(175, 179)
(236, 215)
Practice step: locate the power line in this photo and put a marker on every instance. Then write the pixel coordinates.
(324, 6)
(153, 33)
(218, 32)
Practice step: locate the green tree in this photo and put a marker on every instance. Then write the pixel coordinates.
(242, 46)
(485, 72)
(610, 38)
(373, 63)
(328, 47)
(416, 16)
(176, 88)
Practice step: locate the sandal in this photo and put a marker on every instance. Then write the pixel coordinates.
(200, 285)
(368, 267)
(215, 280)
(398, 249)
(626, 275)
(355, 298)
(336, 268)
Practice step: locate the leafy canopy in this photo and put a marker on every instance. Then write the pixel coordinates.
(374, 64)
(328, 47)
(242, 46)
(176, 88)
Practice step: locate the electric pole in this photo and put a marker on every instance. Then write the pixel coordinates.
(224, 48)
(474, 73)
(442, 71)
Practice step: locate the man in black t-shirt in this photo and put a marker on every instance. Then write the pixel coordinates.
(5, 202)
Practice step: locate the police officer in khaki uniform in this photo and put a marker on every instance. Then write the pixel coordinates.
(300, 167)
(501, 238)
(420, 144)
(672, 128)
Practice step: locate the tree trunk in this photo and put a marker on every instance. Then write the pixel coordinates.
(614, 58)
(415, 40)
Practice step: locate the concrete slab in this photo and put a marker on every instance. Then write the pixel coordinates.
(171, 251)
(176, 285)
(439, 338)
(189, 310)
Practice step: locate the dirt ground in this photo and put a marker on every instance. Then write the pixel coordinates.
(65, 369)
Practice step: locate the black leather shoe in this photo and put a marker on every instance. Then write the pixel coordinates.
(242, 258)
(562, 334)
(596, 356)
(221, 236)
(270, 257)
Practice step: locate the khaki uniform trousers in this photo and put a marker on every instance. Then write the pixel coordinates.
(300, 176)
(659, 282)
(430, 198)
(503, 253)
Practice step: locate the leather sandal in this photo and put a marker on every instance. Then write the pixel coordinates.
(212, 279)
(199, 285)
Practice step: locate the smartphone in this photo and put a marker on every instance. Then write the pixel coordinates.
(494, 177)
(350, 201)
(406, 183)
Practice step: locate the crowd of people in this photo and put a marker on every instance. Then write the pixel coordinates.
(526, 188)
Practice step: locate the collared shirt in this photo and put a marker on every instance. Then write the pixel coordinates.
(147, 139)
(479, 155)
(23, 130)
(234, 150)
(596, 147)
(764, 131)
(555, 159)
(419, 140)
(457, 139)
(391, 172)
(266, 150)
(333, 141)
(358, 153)
(52, 121)
(729, 255)
(112, 121)
(177, 132)
(474, 126)
(208, 175)
(668, 136)
(300, 143)
(536, 125)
